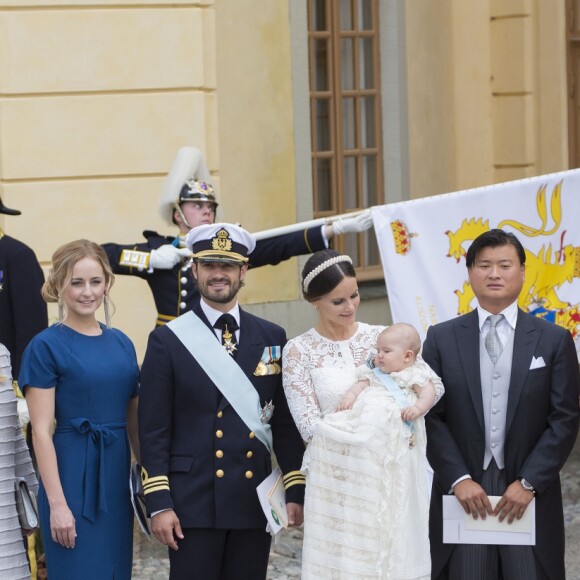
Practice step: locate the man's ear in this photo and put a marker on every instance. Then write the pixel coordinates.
(243, 270)
(194, 269)
(177, 218)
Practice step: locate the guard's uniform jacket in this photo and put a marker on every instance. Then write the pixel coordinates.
(198, 456)
(175, 291)
(22, 309)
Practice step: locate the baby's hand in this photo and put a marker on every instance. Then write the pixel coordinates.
(346, 403)
(410, 413)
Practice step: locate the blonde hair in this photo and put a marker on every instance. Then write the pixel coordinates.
(407, 334)
(63, 262)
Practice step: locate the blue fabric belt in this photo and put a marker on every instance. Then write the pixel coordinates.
(99, 437)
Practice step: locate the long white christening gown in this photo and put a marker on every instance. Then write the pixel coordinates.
(366, 508)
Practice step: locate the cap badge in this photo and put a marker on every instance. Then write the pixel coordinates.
(222, 241)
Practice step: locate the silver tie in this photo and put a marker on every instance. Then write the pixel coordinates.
(492, 342)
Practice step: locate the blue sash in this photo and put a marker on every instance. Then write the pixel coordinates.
(223, 370)
(390, 384)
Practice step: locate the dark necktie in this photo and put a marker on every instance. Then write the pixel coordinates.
(492, 342)
(228, 325)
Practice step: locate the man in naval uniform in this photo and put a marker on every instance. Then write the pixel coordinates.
(507, 422)
(188, 201)
(22, 310)
(210, 414)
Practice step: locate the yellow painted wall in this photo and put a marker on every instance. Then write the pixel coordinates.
(256, 130)
(486, 92)
(95, 100)
(96, 97)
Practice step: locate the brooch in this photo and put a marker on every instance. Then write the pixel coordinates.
(267, 412)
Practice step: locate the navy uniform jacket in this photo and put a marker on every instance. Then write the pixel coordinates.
(541, 423)
(22, 309)
(175, 291)
(198, 456)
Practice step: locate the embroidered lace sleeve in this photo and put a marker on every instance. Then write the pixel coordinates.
(419, 374)
(299, 389)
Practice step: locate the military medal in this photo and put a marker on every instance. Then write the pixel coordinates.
(1, 280)
(261, 370)
(227, 341)
(267, 412)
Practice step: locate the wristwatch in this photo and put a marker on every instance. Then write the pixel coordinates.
(527, 485)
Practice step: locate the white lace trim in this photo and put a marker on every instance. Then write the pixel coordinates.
(304, 358)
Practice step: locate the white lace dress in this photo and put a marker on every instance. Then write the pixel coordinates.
(366, 506)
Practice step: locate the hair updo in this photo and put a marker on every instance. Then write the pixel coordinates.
(63, 262)
(328, 277)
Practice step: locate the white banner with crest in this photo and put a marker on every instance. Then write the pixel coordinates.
(423, 244)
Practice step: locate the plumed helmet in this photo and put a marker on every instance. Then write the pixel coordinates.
(188, 180)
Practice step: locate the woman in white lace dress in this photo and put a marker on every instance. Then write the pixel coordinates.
(14, 463)
(366, 505)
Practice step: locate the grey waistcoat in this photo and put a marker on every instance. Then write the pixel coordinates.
(495, 382)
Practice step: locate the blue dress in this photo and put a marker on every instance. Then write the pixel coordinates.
(95, 377)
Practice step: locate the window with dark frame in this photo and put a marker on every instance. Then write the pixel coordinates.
(345, 101)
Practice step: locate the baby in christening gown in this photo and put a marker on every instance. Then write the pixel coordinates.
(368, 504)
(395, 367)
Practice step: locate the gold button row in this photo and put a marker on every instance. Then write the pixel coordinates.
(219, 454)
(220, 473)
(219, 434)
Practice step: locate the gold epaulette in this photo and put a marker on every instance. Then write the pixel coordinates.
(135, 259)
(293, 478)
(152, 484)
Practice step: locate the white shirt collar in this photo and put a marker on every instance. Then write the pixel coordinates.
(212, 314)
(510, 314)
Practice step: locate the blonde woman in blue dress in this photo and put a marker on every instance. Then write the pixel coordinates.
(84, 375)
(15, 463)
(366, 504)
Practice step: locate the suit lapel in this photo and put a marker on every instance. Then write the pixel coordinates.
(526, 338)
(251, 345)
(250, 349)
(467, 335)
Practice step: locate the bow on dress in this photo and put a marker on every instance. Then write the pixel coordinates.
(98, 439)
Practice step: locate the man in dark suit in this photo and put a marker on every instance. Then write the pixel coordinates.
(207, 417)
(22, 309)
(188, 201)
(507, 422)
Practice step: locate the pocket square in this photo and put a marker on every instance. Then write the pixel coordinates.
(537, 363)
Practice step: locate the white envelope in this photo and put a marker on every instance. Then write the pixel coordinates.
(537, 363)
(460, 528)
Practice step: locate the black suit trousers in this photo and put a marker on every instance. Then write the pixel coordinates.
(210, 554)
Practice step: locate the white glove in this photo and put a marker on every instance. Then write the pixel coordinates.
(360, 223)
(166, 257)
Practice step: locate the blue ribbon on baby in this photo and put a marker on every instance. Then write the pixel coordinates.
(390, 384)
(98, 438)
